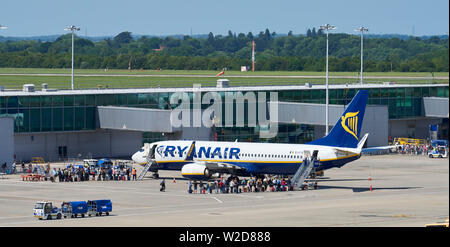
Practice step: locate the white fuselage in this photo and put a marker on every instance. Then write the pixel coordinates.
(255, 157)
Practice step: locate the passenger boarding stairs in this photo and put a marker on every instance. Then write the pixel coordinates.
(304, 170)
(150, 155)
(146, 169)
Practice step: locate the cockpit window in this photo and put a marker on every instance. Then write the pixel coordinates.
(141, 150)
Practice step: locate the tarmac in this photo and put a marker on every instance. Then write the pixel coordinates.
(407, 191)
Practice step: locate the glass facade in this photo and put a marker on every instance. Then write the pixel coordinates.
(77, 112)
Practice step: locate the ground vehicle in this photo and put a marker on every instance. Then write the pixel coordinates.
(123, 164)
(73, 209)
(91, 163)
(98, 207)
(45, 210)
(104, 163)
(37, 160)
(435, 143)
(438, 152)
(410, 141)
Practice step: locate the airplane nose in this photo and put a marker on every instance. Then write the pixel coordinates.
(134, 156)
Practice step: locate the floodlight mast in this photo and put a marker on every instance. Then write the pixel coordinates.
(72, 29)
(362, 30)
(326, 27)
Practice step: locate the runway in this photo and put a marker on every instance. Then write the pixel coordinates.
(233, 76)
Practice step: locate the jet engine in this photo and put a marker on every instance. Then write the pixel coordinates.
(195, 171)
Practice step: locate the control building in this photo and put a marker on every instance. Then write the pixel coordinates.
(97, 123)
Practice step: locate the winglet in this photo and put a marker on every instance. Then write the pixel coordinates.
(190, 154)
(361, 143)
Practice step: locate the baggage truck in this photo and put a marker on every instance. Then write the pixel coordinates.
(98, 207)
(73, 209)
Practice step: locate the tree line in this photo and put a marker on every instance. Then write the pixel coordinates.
(214, 52)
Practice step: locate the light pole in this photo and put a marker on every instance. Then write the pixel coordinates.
(362, 30)
(72, 29)
(326, 27)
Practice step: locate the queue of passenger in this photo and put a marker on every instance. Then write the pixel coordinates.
(80, 174)
(234, 185)
(411, 149)
(421, 149)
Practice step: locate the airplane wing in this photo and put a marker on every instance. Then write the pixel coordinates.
(207, 167)
(379, 150)
(219, 167)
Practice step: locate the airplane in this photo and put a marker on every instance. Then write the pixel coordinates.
(198, 160)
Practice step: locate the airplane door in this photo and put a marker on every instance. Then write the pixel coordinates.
(315, 154)
(152, 152)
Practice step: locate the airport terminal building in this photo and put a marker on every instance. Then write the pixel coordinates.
(61, 124)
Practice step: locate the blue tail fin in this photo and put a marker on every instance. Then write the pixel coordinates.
(346, 132)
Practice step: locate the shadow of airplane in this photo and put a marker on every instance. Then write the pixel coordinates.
(171, 178)
(365, 189)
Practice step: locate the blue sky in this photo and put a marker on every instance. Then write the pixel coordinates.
(165, 17)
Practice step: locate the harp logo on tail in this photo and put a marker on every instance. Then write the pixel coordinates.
(350, 123)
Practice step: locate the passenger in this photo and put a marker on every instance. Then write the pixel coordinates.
(208, 188)
(66, 175)
(134, 174)
(163, 185)
(216, 186)
(190, 187)
(224, 185)
(202, 189)
(238, 183)
(231, 186)
(259, 184)
(220, 185)
(195, 187)
(52, 178)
